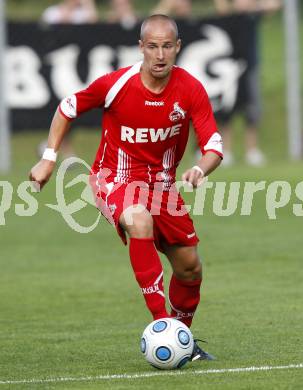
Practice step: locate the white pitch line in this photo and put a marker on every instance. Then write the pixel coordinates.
(151, 374)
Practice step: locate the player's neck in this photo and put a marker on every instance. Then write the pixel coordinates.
(153, 84)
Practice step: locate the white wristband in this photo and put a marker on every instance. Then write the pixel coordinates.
(198, 169)
(49, 154)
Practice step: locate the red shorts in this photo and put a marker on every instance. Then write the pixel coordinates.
(172, 223)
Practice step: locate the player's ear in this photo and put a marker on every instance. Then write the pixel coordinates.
(178, 45)
(141, 45)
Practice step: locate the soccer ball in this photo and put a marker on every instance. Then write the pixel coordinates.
(167, 343)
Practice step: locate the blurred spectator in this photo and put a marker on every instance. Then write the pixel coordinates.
(230, 6)
(122, 11)
(177, 8)
(252, 108)
(68, 12)
(71, 11)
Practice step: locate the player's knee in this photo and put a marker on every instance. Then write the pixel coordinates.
(192, 268)
(141, 225)
(196, 270)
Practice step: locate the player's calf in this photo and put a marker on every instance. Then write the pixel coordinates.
(184, 297)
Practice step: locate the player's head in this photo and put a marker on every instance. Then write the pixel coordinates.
(159, 43)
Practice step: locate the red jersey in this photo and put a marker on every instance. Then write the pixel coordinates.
(145, 134)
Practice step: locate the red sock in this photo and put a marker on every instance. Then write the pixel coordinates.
(149, 274)
(184, 297)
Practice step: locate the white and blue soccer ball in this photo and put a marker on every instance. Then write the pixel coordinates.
(167, 344)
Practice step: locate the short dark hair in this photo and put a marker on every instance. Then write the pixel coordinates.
(156, 17)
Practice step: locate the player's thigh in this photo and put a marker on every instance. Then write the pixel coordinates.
(185, 261)
(137, 221)
(173, 226)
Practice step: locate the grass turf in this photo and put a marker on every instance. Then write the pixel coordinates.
(70, 306)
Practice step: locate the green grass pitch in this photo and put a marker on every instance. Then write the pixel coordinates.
(70, 306)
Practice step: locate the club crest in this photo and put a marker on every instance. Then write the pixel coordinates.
(177, 113)
(112, 208)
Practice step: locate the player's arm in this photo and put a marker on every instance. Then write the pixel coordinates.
(43, 170)
(209, 140)
(69, 109)
(208, 163)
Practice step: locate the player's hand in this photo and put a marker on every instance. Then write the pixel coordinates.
(41, 173)
(193, 176)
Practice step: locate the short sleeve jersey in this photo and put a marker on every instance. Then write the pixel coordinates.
(145, 134)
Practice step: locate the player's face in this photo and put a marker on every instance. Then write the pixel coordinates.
(159, 46)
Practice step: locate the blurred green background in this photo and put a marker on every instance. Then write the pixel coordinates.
(32, 9)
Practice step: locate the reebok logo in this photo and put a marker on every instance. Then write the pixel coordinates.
(154, 104)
